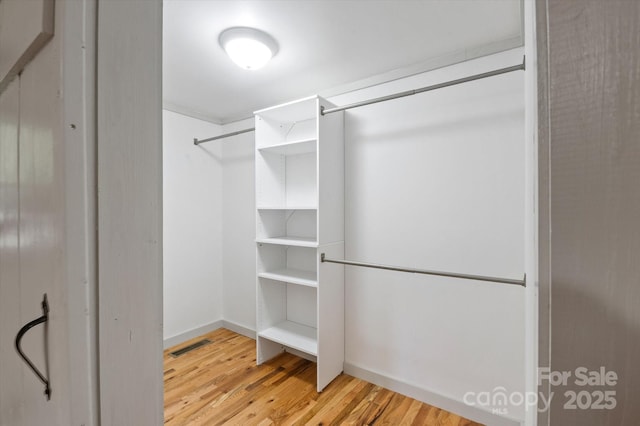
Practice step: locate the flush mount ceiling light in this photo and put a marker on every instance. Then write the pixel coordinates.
(249, 48)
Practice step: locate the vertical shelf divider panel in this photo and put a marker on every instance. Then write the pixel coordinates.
(331, 242)
(300, 214)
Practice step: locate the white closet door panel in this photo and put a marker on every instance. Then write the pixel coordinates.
(11, 374)
(38, 209)
(42, 235)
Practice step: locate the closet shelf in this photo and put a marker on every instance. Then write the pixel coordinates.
(291, 112)
(293, 335)
(303, 146)
(287, 208)
(293, 276)
(289, 241)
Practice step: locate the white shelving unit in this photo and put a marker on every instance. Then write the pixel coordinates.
(293, 335)
(289, 241)
(300, 214)
(293, 276)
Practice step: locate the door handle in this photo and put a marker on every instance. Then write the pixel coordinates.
(40, 320)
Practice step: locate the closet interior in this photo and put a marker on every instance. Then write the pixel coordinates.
(377, 227)
(299, 173)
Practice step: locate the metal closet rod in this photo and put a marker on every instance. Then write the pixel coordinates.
(197, 141)
(325, 111)
(518, 67)
(522, 282)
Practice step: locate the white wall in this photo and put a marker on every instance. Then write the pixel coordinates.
(192, 179)
(129, 187)
(432, 181)
(436, 181)
(239, 231)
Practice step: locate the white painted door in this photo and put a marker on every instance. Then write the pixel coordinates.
(41, 220)
(11, 386)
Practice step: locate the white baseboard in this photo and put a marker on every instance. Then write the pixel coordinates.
(207, 328)
(430, 397)
(190, 334)
(240, 329)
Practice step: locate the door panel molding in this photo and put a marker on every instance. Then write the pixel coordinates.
(48, 236)
(25, 27)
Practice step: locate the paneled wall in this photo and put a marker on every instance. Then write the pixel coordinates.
(590, 175)
(47, 211)
(129, 132)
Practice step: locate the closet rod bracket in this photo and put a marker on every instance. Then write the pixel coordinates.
(197, 141)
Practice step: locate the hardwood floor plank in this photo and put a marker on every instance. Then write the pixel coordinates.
(326, 397)
(328, 412)
(376, 407)
(423, 414)
(273, 369)
(432, 417)
(411, 413)
(354, 417)
(395, 411)
(273, 402)
(220, 384)
(352, 402)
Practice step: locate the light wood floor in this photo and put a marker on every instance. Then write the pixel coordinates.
(220, 384)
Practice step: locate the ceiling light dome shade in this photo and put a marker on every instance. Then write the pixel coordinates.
(249, 48)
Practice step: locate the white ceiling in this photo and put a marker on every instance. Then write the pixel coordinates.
(325, 46)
